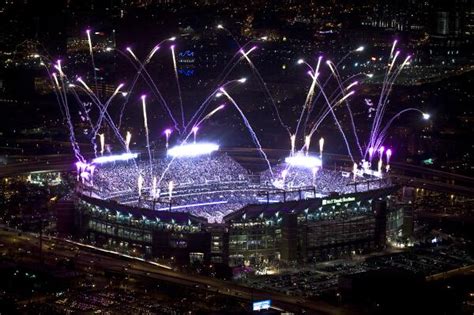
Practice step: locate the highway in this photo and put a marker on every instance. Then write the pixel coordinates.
(96, 260)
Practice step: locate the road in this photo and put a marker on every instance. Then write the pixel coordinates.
(92, 259)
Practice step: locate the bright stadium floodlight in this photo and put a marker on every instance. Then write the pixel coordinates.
(426, 116)
(113, 158)
(192, 150)
(306, 161)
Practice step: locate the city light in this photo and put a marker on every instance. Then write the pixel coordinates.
(192, 149)
(114, 158)
(306, 161)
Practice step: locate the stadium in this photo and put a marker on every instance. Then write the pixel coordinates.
(208, 207)
(194, 201)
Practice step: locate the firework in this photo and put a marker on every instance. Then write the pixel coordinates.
(128, 138)
(292, 141)
(250, 129)
(194, 131)
(321, 147)
(102, 143)
(167, 135)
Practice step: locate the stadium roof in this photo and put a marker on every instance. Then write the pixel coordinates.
(164, 216)
(253, 211)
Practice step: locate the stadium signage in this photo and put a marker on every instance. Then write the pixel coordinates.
(337, 200)
(261, 305)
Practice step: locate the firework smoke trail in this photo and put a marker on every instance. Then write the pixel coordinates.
(335, 117)
(151, 84)
(156, 90)
(63, 103)
(147, 133)
(134, 82)
(128, 138)
(91, 52)
(336, 75)
(102, 143)
(255, 71)
(102, 110)
(186, 138)
(252, 132)
(314, 75)
(293, 142)
(140, 185)
(375, 134)
(137, 75)
(393, 48)
(108, 119)
(321, 147)
(359, 49)
(264, 86)
(377, 117)
(50, 76)
(391, 82)
(222, 76)
(382, 134)
(198, 113)
(177, 84)
(225, 73)
(62, 91)
(322, 114)
(100, 107)
(238, 53)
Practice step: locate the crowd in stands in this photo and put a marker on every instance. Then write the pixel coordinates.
(211, 186)
(324, 180)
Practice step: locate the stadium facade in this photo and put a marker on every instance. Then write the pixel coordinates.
(312, 229)
(301, 231)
